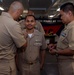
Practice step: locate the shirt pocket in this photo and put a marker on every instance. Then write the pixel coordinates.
(37, 43)
(63, 38)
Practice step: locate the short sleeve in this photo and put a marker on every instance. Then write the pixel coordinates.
(16, 34)
(44, 45)
(71, 38)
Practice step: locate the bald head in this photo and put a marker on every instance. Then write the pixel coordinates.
(16, 9)
(16, 5)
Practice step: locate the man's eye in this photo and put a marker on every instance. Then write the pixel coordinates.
(32, 21)
(27, 21)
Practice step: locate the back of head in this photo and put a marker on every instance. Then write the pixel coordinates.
(16, 9)
(67, 7)
(16, 5)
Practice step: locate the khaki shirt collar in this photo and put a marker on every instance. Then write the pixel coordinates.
(70, 24)
(34, 33)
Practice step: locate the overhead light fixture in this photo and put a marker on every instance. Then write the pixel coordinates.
(52, 1)
(25, 11)
(51, 16)
(20, 15)
(1, 0)
(58, 9)
(1, 8)
(56, 3)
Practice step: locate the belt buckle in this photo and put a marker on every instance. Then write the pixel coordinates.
(30, 63)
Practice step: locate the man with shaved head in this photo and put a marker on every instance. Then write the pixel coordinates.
(11, 38)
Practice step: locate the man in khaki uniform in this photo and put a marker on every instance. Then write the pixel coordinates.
(29, 63)
(65, 45)
(11, 37)
(38, 25)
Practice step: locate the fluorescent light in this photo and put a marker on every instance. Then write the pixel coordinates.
(51, 16)
(58, 9)
(1, 0)
(20, 15)
(1, 8)
(25, 11)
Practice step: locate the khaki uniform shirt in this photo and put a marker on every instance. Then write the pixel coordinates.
(38, 26)
(10, 37)
(66, 40)
(34, 44)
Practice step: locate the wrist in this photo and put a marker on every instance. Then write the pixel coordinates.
(56, 52)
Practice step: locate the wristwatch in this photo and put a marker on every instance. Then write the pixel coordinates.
(56, 53)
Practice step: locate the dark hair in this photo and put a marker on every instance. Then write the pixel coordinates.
(67, 7)
(30, 15)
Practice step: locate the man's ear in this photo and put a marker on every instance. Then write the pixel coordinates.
(18, 10)
(70, 13)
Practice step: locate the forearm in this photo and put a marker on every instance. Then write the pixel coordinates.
(65, 52)
(42, 56)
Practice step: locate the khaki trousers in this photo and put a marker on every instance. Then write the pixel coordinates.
(7, 67)
(26, 69)
(66, 67)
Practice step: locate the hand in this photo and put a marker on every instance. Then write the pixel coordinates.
(53, 51)
(51, 46)
(25, 35)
